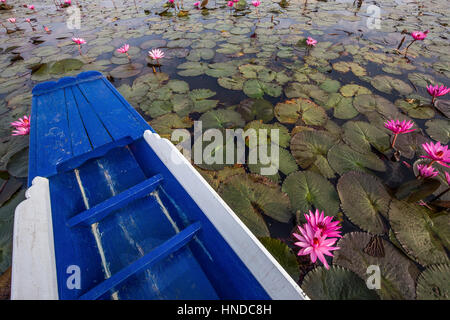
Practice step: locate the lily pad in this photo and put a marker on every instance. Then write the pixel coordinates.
(337, 283)
(343, 106)
(387, 84)
(222, 119)
(252, 109)
(344, 67)
(361, 136)
(350, 90)
(414, 108)
(434, 283)
(425, 238)
(364, 201)
(397, 272)
(283, 254)
(283, 133)
(309, 190)
(18, 164)
(167, 123)
(310, 149)
(285, 164)
(343, 159)
(256, 89)
(292, 110)
(126, 70)
(253, 196)
(439, 130)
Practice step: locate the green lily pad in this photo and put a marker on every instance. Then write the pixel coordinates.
(310, 149)
(221, 69)
(330, 86)
(361, 136)
(387, 84)
(233, 83)
(252, 196)
(165, 124)
(215, 178)
(18, 164)
(420, 79)
(200, 54)
(291, 110)
(424, 238)
(439, 130)
(337, 283)
(344, 67)
(126, 70)
(350, 90)
(414, 108)
(343, 159)
(364, 201)
(283, 133)
(286, 163)
(256, 89)
(222, 119)
(252, 109)
(178, 86)
(343, 106)
(434, 283)
(397, 272)
(308, 190)
(283, 254)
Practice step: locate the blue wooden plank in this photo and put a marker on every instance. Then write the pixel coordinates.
(156, 255)
(103, 209)
(97, 133)
(79, 137)
(52, 129)
(109, 108)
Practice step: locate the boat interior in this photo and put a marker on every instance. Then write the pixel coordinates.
(135, 233)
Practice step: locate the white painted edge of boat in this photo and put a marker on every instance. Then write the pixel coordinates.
(264, 267)
(33, 260)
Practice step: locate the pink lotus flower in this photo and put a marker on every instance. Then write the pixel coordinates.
(12, 20)
(235, 1)
(437, 91)
(426, 172)
(124, 48)
(418, 35)
(31, 7)
(230, 4)
(398, 127)
(28, 20)
(437, 153)
(79, 41)
(324, 224)
(311, 42)
(256, 3)
(197, 4)
(156, 54)
(447, 177)
(68, 2)
(170, 1)
(21, 126)
(314, 244)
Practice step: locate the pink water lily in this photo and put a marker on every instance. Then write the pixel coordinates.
(256, 3)
(197, 4)
(437, 153)
(417, 36)
(79, 42)
(230, 4)
(447, 177)
(398, 127)
(68, 2)
(156, 54)
(311, 42)
(12, 20)
(325, 224)
(31, 7)
(21, 126)
(313, 243)
(124, 49)
(437, 91)
(426, 172)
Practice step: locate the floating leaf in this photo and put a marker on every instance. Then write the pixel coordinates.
(434, 283)
(350, 90)
(344, 67)
(178, 86)
(308, 190)
(283, 254)
(283, 133)
(291, 110)
(361, 136)
(343, 106)
(439, 130)
(286, 163)
(415, 109)
(342, 159)
(222, 119)
(252, 109)
(424, 238)
(126, 70)
(256, 89)
(252, 196)
(364, 201)
(337, 283)
(417, 189)
(397, 272)
(386, 84)
(18, 164)
(165, 124)
(310, 148)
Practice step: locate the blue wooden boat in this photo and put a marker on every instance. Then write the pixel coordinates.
(113, 211)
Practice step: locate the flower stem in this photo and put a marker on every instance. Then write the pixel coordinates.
(440, 194)
(433, 100)
(393, 141)
(129, 59)
(406, 51)
(431, 163)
